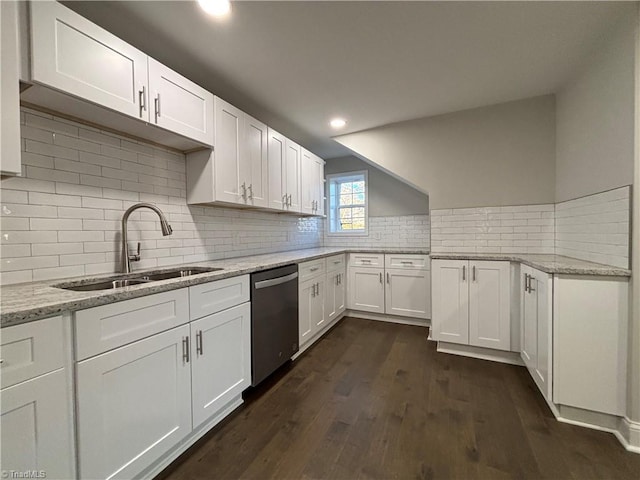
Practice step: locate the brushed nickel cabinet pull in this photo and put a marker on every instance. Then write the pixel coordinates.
(185, 349)
(142, 98)
(473, 273)
(380, 277)
(199, 342)
(388, 281)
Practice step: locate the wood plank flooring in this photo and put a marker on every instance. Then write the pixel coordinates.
(374, 400)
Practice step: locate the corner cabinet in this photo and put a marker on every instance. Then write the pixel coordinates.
(471, 303)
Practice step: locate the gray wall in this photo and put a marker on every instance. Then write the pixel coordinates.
(594, 136)
(387, 196)
(491, 156)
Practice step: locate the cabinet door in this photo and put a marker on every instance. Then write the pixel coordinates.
(221, 353)
(72, 54)
(489, 305)
(319, 316)
(330, 299)
(541, 289)
(228, 136)
(253, 162)
(450, 297)
(306, 307)
(366, 289)
(180, 105)
(307, 182)
(408, 293)
(10, 163)
(319, 185)
(36, 426)
(276, 147)
(292, 175)
(529, 329)
(341, 292)
(133, 404)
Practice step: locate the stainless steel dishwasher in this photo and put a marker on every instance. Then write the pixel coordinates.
(274, 320)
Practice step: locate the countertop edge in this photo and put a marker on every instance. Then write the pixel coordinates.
(95, 299)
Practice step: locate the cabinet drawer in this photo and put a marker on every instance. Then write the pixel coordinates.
(420, 262)
(366, 260)
(31, 349)
(208, 298)
(103, 328)
(310, 269)
(336, 262)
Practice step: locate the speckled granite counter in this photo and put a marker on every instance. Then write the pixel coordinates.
(26, 302)
(547, 263)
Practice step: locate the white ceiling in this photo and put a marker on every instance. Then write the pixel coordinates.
(295, 65)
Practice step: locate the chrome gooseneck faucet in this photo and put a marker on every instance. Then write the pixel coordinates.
(164, 225)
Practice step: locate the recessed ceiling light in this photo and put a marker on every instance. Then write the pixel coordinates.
(338, 123)
(217, 8)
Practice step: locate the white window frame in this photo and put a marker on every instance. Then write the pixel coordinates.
(332, 213)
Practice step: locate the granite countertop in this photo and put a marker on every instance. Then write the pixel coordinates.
(557, 264)
(26, 302)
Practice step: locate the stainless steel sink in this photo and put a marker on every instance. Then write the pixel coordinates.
(177, 273)
(134, 279)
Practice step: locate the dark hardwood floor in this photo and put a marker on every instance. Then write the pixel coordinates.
(375, 400)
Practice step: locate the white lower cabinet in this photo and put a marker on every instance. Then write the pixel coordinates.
(471, 303)
(336, 294)
(311, 310)
(37, 426)
(134, 404)
(392, 284)
(366, 289)
(143, 399)
(221, 360)
(407, 292)
(35, 399)
(536, 329)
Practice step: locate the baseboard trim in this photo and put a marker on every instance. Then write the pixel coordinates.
(511, 358)
(629, 434)
(380, 317)
(162, 463)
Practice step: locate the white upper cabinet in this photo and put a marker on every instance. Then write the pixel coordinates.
(74, 55)
(285, 161)
(237, 171)
(253, 163)
(292, 160)
(229, 130)
(275, 158)
(311, 183)
(10, 156)
(76, 66)
(179, 105)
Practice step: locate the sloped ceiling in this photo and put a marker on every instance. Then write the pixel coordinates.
(296, 64)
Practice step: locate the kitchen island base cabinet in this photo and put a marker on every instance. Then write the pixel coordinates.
(36, 426)
(134, 404)
(221, 353)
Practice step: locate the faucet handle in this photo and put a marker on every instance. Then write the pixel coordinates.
(136, 256)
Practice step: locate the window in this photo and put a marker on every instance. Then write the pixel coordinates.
(348, 212)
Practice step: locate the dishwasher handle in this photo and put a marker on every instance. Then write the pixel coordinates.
(276, 281)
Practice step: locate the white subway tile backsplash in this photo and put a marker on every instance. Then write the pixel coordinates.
(595, 228)
(63, 217)
(407, 231)
(493, 229)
